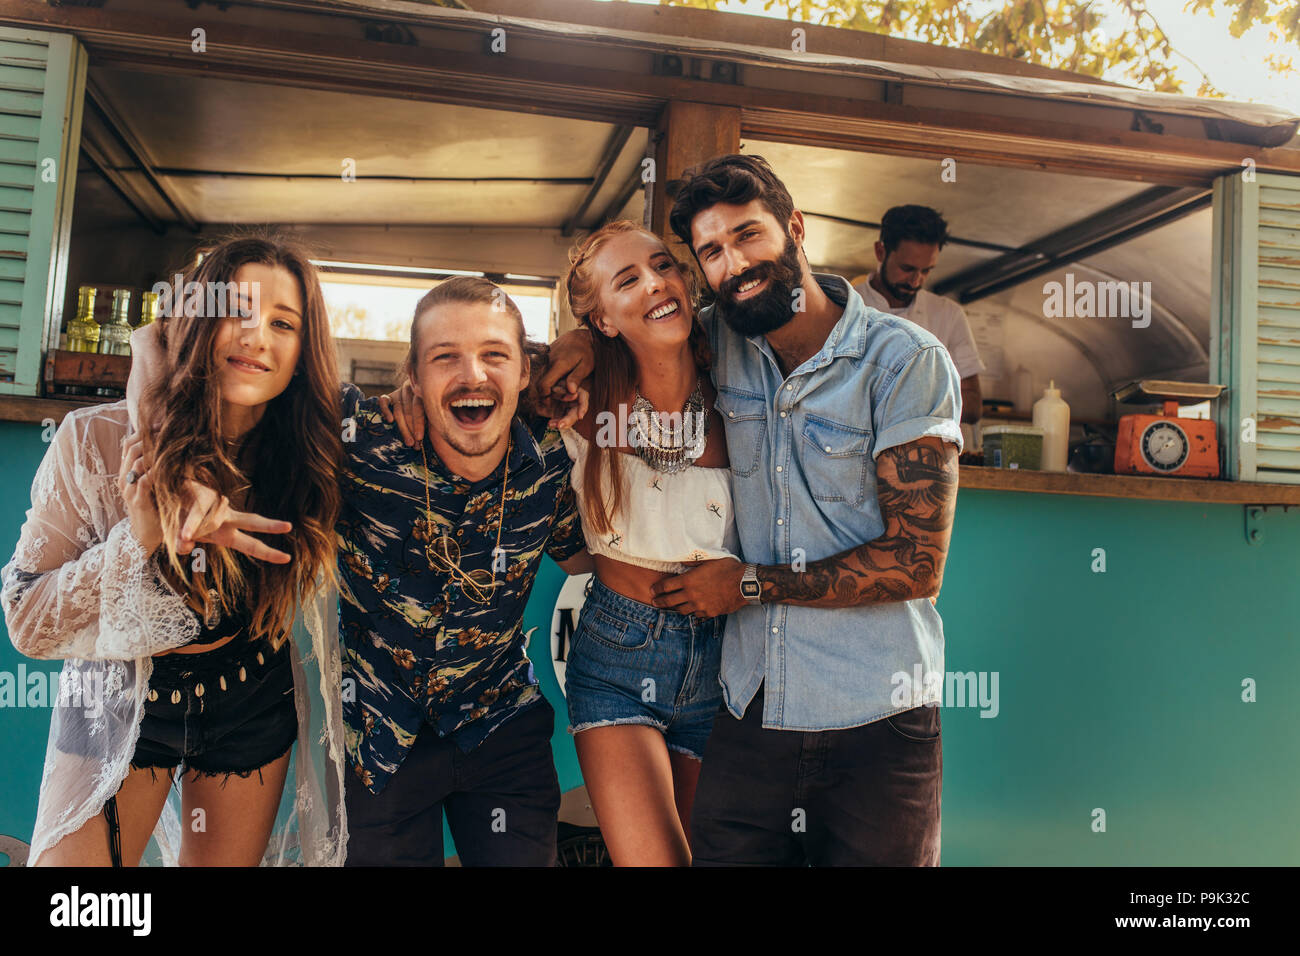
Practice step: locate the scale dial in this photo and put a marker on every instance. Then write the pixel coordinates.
(1165, 446)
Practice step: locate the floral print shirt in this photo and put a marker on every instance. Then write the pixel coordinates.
(415, 648)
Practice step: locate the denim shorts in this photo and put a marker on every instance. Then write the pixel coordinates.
(631, 663)
(221, 712)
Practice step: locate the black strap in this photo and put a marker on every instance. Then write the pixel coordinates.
(114, 831)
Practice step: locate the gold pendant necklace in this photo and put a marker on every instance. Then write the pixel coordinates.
(444, 553)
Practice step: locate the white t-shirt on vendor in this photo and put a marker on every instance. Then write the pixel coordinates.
(943, 318)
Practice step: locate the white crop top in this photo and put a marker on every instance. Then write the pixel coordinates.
(665, 519)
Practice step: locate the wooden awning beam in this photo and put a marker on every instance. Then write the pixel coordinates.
(786, 105)
(136, 151)
(618, 138)
(1089, 236)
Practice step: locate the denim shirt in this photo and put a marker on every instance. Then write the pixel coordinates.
(803, 452)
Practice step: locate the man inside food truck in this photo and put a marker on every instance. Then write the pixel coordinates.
(908, 251)
(843, 436)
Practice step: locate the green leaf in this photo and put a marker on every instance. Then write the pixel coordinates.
(1064, 34)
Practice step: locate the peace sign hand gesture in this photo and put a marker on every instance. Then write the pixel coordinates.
(210, 519)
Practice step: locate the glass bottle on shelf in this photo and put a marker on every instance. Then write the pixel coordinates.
(115, 336)
(83, 330)
(148, 309)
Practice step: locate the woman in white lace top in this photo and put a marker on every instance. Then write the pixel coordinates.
(179, 657)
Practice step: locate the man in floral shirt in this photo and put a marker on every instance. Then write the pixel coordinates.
(439, 698)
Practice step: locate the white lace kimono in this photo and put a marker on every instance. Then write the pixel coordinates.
(80, 587)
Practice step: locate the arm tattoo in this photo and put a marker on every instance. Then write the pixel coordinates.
(916, 485)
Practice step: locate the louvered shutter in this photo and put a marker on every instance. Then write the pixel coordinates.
(42, 79)
(1255, 328)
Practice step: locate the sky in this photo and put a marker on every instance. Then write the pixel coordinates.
(1235, 66)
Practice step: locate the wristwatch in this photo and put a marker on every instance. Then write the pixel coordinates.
(750, 588)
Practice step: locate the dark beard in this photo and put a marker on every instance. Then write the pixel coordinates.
(898, 292)
(771, 308)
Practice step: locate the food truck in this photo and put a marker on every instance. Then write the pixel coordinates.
(1144, 625)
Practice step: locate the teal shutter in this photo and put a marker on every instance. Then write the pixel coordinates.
(42, 80)
(1255, 324)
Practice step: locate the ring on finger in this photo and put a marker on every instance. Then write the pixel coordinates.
(132, 477)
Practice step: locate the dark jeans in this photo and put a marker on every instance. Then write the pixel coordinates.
(866, 796)
(502, 800)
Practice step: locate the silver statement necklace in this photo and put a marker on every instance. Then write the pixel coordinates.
(665, 441)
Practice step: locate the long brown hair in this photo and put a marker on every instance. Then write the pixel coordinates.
(292, 455)
(614, 379)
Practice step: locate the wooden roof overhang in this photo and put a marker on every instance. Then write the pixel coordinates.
(628, 77)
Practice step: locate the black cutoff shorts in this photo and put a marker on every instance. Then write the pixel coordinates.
(227, 711)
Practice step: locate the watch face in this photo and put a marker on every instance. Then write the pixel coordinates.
(1165, 446)
(750, 589)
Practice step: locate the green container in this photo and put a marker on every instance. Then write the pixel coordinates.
(1013, 446)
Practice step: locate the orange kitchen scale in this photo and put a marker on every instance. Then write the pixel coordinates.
(1166, 444)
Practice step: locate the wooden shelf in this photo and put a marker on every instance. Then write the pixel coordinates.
(1130, 486)
(36, 410)
(20, 408)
